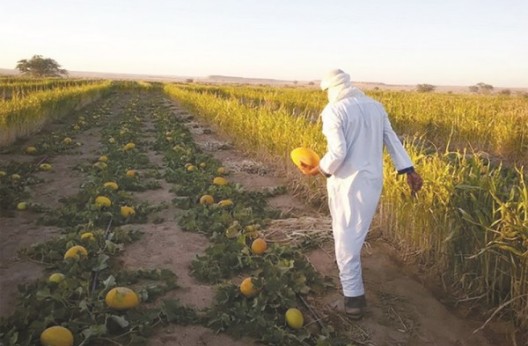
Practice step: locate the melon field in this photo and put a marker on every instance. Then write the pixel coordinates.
(135, 213)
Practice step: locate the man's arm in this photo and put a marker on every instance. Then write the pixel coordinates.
(335, 140)
(399, 156)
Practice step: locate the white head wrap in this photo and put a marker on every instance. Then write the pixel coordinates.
(338, 86)
(334, 78)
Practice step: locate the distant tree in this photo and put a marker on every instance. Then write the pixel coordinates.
(425, 88)
(474, 89)
(482, 88)
(295, 82)
(38, 66)
(485, 88)
(189, 80)
(311, 83)
(505, 92)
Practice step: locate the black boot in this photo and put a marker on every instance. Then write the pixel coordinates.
(355, 306)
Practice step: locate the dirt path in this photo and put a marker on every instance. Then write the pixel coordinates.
(401, 311)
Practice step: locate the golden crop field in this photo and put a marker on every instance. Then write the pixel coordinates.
(115, 143)
(494, 124)
(11, 88)
(31, 104)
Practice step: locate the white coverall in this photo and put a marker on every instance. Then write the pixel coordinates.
(356, 127)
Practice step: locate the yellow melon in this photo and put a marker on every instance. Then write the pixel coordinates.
(56, 278)
(102, 201)
(206, 200)
(220, 181)
(121, 298)
(304, 156)
(31, 150)
(100, 165)
(56, 336)
(87, 236)
(127, 211)
(294, 318)
(259, 246)
(111, 185)
(247, 288)
(129, 146)
(45, 167)
(225, 203)
(76, 252)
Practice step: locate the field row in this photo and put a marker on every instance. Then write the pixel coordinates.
(497, 125)
(25, 116)
(10, 90)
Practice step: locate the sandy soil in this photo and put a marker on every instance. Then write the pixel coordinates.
(401, 310)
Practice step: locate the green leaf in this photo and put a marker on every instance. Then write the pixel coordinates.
(120, 320)
(83, 306)
(102, 263)
(95, 330)
(14, 338)
(43, 293)
(109, 282)
(171, 308)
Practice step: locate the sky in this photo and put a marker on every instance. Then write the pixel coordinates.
(445, 42)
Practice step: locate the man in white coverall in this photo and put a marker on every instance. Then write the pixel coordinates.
(356, 127)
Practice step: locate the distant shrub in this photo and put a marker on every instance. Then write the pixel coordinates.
(474, 89)
(485, 88)
(425, 88)
(482, 88)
